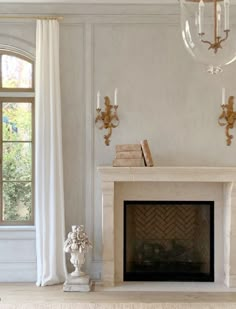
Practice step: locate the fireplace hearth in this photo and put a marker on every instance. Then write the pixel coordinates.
(169, 241)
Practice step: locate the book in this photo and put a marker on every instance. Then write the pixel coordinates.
(129, 154)
(128, 147)
(146, 153)
(128, 162)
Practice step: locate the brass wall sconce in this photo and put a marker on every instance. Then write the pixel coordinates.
(107, 119)
(229, 115)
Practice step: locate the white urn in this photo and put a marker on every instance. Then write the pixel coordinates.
(77, 259)
(77, 244)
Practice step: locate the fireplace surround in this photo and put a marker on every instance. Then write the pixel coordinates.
(169, 184)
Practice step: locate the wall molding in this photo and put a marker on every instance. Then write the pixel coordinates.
(94, 1)
(74, 9)
(89, 129)
(124, 20)
(18, 272)
(12, 235)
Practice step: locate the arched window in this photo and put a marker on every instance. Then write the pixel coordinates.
(17, 135)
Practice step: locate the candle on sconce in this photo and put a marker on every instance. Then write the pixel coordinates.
(226, 5)
(223, 96)
(218, 21)
(98, 99)
(115, 97)
(201, 17)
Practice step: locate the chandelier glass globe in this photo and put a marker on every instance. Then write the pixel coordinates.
(207, 33)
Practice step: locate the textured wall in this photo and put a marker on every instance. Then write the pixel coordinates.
(164, 95)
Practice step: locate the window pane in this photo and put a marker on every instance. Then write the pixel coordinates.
(17, 161)
(17, 201)
(17, 121)
(16, 72)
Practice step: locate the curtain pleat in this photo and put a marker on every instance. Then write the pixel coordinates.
(49, 192)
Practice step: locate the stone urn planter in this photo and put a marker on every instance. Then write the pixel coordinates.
(77, 244)
(77, 259)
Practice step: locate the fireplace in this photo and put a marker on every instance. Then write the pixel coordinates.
(216, 184)
(169, 241)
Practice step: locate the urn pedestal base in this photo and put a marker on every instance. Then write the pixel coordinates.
(77, 284)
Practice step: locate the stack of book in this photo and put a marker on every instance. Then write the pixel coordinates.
(133, 155)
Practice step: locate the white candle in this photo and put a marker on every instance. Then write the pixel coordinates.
(201, 17)
(218, 24)
(226, 5)
(98, 99)
(115, 97)
(223, 96)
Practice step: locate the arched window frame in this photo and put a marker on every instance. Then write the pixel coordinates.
(18, 95)
(10, 53)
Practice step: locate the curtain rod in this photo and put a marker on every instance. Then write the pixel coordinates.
(32, 17)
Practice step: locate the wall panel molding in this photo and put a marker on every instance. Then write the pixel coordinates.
(18, 272)
(94, 2)
(88, 9)
(89, 129)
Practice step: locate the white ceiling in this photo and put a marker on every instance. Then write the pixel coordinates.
(94, 1)
(117, 2)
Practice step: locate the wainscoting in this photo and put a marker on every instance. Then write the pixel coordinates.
(17, 254)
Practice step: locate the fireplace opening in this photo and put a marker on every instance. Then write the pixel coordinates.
(169, 241)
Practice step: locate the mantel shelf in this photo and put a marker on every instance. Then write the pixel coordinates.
(168, 174)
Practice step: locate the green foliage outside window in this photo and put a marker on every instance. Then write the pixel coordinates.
(17, 161)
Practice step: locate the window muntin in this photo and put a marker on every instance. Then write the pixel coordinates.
(16, 147)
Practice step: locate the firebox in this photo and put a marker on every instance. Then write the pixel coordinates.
(169, 241)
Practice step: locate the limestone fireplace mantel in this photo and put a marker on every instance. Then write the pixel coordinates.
(172, 174)
(110, 176)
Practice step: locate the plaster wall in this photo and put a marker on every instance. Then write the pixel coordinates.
(164, 96)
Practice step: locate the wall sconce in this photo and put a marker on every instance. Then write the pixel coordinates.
(107, 119)
(229, 115)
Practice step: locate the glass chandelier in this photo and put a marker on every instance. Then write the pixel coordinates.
(207, 34)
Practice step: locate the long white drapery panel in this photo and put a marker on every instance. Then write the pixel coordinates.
(49, 194)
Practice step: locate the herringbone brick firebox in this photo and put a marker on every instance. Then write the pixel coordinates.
(168, 241)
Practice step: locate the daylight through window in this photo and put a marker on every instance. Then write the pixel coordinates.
(17, 127)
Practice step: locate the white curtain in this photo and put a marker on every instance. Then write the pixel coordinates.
(49, 195)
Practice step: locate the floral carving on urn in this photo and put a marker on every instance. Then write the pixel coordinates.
(77, 244)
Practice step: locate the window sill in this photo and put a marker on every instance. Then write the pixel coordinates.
(16, 228)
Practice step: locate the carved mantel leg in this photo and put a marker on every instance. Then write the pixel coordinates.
(230, 234)
(108, 271)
